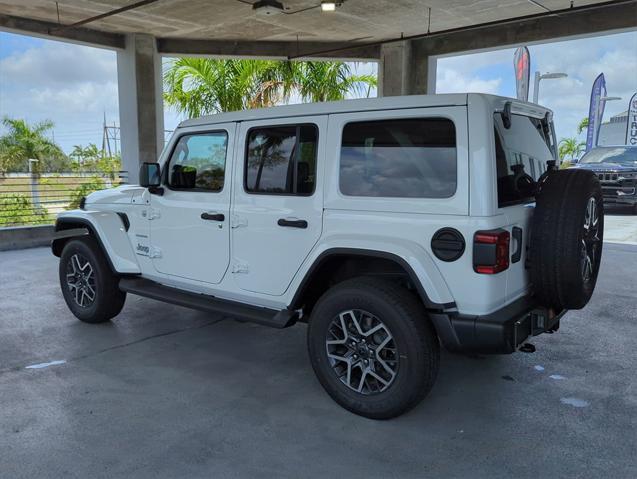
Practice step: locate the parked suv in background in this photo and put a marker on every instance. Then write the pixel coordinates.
(616, 168)
(391, 226)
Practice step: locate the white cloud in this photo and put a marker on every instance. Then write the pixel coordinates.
(60, 63)
(450, 80)
(74, 86)
(582, 60)
(476, 61)
(85, 97)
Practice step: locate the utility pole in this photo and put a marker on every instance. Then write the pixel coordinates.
(104, 138)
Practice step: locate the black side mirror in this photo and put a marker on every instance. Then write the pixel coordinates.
(149, 175)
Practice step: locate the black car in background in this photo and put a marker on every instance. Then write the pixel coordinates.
(616, 168)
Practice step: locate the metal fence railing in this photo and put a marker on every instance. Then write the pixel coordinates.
(36, 199)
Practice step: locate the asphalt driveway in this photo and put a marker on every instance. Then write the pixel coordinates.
(166, 392)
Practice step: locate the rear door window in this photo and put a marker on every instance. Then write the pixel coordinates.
(403, 158)
(523, 148)
(281, 160)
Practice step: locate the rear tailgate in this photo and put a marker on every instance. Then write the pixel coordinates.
(522, 148)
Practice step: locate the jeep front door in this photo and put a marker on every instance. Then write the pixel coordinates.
(190, 233)
(277, 207)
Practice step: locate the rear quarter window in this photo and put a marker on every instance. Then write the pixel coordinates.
(403, 158)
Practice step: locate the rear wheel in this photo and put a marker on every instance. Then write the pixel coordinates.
(89, 287)
(372, 347)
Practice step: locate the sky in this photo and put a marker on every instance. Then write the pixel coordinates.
(76, 86)
(582, 60)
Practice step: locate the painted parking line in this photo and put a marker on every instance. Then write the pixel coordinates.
(575, 402)
(46, 365)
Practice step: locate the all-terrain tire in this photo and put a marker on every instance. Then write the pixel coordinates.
(566, 241)
(417, 348)
(89, 286)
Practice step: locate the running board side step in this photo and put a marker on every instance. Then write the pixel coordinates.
(210, 304)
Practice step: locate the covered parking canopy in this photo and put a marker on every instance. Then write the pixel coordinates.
(404, 36)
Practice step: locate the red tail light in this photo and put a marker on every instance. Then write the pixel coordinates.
(491, 251)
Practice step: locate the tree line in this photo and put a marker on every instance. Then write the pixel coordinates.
(194, 87)
(23, 142)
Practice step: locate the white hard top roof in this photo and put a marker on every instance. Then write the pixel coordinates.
(366, 104)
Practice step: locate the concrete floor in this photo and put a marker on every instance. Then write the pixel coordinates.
(167, 392)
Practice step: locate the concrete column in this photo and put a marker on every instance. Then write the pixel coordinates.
(404, 69)
(141, 108)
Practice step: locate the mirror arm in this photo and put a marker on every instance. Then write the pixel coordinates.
(156, 190)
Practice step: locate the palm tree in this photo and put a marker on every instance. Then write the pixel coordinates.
(200, 86)
(583, 125)
(329, 81)
(82, 154)
(23, 142)
(570, 147)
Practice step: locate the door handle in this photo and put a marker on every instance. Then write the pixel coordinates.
(213, 216)
(292, 223)
(517, 236)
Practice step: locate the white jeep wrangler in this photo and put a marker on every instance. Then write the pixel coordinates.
(389, 225)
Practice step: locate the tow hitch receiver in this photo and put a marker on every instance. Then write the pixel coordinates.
(543, 320)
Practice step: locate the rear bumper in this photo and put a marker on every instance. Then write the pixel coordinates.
(500, 332)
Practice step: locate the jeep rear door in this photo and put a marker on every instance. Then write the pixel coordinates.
(277, 208)
(189, 222)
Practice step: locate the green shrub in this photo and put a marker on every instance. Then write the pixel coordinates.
(96, 184)
(17, 210)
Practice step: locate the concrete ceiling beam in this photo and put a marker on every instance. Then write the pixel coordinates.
(84, 36)
(583, 21)
(264, 49)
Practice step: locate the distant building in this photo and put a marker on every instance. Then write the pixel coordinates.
(613, 132)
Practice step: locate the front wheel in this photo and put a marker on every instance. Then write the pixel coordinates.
(372, 347)
(89, 287)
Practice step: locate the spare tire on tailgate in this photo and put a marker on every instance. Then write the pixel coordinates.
(566, 238)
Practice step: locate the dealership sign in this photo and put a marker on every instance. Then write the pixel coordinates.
(521, 65)
(595, 111)
(631, 127)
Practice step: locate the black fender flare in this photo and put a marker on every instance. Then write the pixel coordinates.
(330, 253)
(77, 227)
